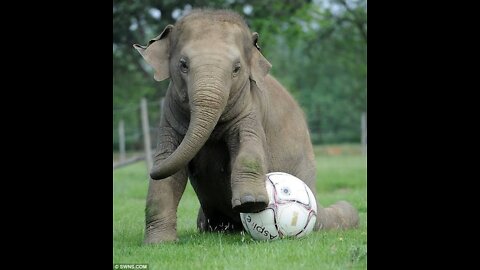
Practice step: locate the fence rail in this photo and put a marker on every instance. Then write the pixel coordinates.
(126, 162)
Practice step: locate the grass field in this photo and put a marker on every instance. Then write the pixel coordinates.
(341, 176)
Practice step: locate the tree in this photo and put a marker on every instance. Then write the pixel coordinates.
(317, 48)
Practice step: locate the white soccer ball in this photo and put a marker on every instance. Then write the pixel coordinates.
(291, 212)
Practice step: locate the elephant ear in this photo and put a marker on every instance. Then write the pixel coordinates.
(156, 54)
(259, 65)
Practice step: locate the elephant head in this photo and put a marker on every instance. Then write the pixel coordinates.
(209, 63)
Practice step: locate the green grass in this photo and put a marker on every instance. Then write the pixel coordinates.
(341, 176)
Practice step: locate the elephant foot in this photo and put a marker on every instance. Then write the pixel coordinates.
(248, 204)
(341, 215)
(156, 233)
(160, 238)
(251, 200)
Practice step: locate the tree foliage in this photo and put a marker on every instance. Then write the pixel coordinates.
(317, 49)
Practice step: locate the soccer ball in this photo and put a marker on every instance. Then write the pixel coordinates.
(291, 212)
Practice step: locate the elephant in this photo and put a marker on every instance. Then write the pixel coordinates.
(226, 123)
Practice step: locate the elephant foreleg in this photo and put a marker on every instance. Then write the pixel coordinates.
(164, 195)
(246, 146)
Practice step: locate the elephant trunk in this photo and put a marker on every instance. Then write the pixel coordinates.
(208, 97)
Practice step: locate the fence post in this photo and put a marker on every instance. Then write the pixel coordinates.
(364, 133)
(146, 134)
(121, 136)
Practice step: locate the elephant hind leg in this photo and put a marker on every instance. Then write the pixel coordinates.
(215, 222)
(340, 215)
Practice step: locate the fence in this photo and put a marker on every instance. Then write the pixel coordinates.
(138, 144)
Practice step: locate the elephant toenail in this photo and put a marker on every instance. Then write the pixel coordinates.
(236, 202)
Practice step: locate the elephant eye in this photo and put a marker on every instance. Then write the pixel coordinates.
(236, 69)
(183, 65)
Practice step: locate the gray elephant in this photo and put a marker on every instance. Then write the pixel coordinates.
(226, 123)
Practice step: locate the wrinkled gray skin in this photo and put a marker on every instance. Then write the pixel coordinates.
(226, 123)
